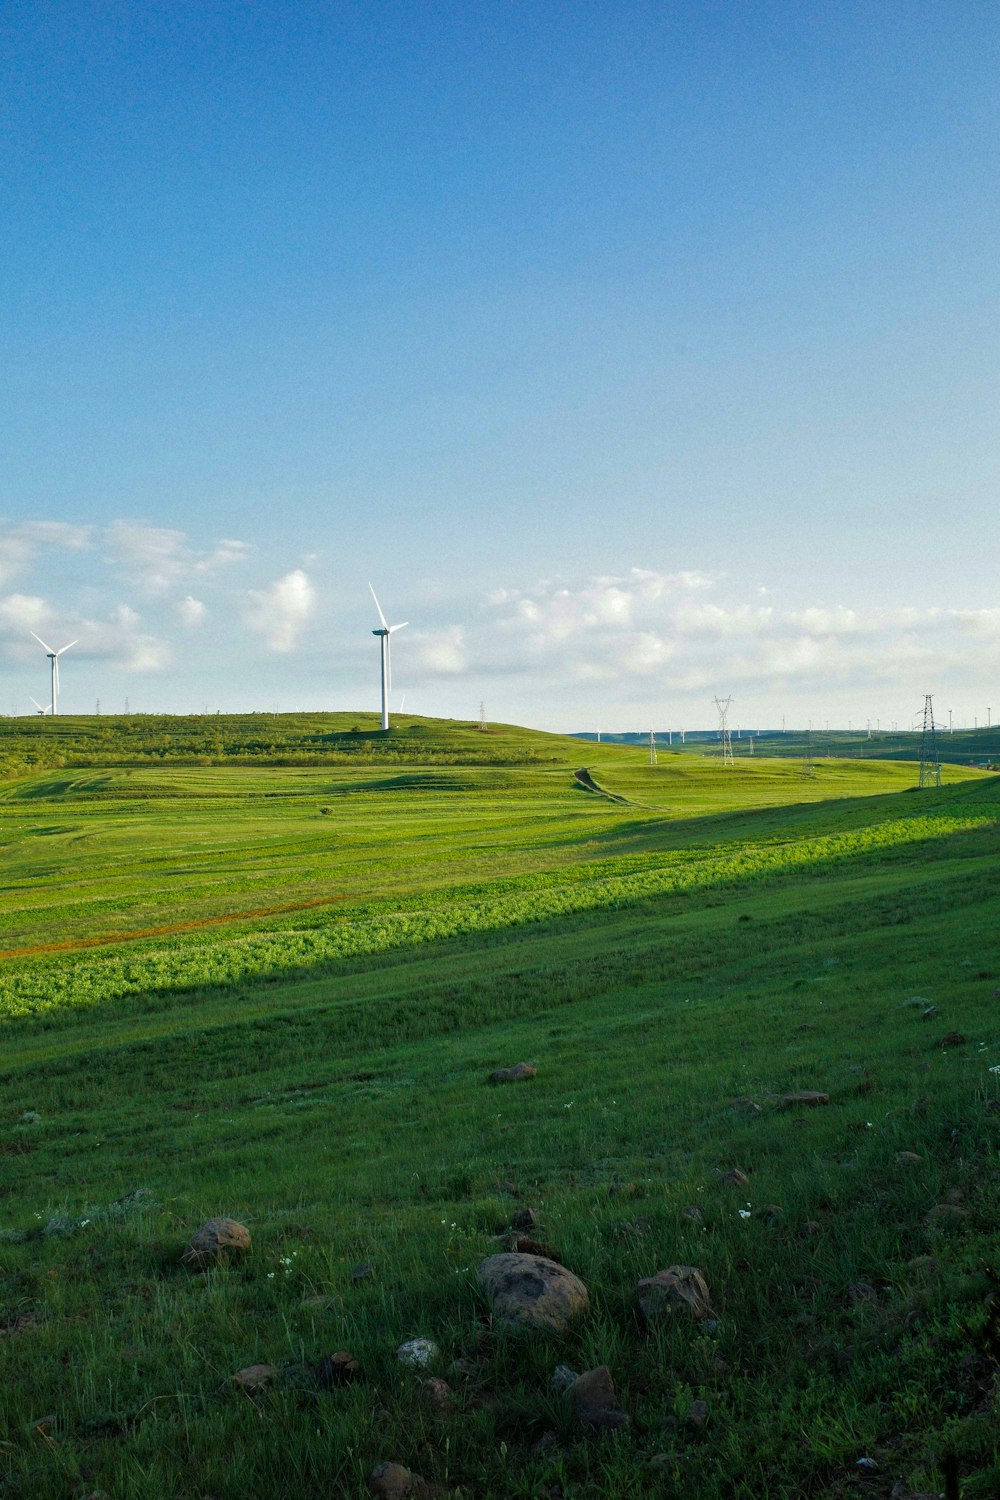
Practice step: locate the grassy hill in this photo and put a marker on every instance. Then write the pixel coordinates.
(276, 991)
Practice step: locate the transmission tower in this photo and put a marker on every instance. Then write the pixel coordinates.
(808, 769)
(930, 768)
(482, 716)
(652, 748)
(723, 704)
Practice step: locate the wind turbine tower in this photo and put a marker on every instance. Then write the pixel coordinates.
(53, 657)
(384, 632)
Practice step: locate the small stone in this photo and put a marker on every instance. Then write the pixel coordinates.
(547, 1440)
(338, 1369)
(436, 1396)
(659, 1462)
(595, 1403)
(953, 1039)
(808, 1098)
(677, 1289)
(771, 1213)
(867, 1465)
(923, 1265)
(954, 1195)
(391, 1481)
(530, 1291)
(744, 1102)
(563, 1377)
(809, 1227)
(362, 1271)
(463, 1369)
(861, 1293)
(945, 1213)
(907, 1158)
(519, 1073)
(736, 1178)
(524, 1219)
(928, 1011)
(509, 1189)
(418, 1354)
(697, 1415)
(255, 1378)
(215, 1241)
(692, 1213)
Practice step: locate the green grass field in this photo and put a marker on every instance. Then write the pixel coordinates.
(276, 991)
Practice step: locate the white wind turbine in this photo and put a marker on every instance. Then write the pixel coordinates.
(41, 711)
(384, 632)
(53, 657)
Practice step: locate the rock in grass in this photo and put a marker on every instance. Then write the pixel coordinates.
(531, 1292)
(595, 1404)
(436, 1396)
(907, 1158)
(806, 1097)
(563, 1377)
(519, 1073)
(255, 1378)
(337, 1369)
(736, 1178)
(953, 1039)
(418, 1354)
(677, 1289)
(391, 1481)
(215, 1241)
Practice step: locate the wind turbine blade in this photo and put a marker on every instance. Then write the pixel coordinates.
(35, 701)
(41, 642)
(385, 622)
(399, 626)
(66, 648)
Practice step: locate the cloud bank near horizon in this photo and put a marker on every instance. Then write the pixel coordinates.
(141, 593)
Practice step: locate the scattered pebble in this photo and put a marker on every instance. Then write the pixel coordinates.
(806, 1097)
(362, 1271)
(595, 1404)
(391, 1481)
(436, 1396)
(563, 1377)
(736, 1178)
(953, 1039)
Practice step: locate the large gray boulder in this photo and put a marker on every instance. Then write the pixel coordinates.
(529, 1291)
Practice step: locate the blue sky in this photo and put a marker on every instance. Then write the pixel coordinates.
(637, 352)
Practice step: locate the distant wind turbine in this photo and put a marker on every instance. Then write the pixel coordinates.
(41, 711)
(384, 632)
(53, 657)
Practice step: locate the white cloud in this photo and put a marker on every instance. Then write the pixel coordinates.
(191, 612)
(20, 543)
(280, 611)
(442, 651)
(22, 613)
(644, 630)
(157, 559)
